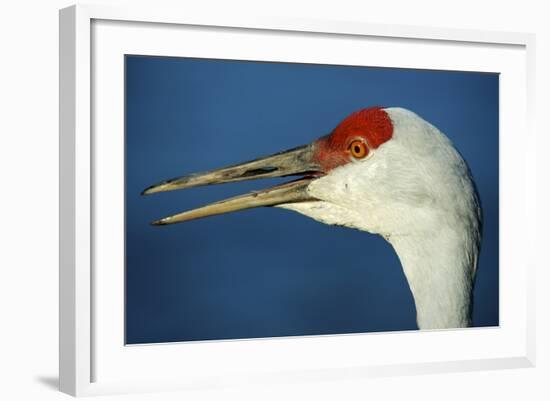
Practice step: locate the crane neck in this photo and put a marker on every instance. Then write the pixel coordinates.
(440, 268)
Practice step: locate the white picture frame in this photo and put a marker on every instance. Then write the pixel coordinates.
(93, 360)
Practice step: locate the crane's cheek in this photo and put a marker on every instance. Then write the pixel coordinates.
(335, 187)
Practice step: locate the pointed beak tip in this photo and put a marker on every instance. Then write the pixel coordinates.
(160, 222)
(149, 190)
(153, 189)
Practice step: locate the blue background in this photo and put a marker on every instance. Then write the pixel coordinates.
(271, 272)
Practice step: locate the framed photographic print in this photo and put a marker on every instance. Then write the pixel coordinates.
(268, 200)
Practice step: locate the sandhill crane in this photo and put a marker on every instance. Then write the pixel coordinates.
(385, 171)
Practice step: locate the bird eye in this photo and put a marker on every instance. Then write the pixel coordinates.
(358, 149)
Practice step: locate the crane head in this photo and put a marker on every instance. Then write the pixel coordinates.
(380, 170)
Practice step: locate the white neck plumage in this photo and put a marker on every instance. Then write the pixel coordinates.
(440, 268)
(438, 256)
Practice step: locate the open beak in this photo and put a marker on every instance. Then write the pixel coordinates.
(298, 161)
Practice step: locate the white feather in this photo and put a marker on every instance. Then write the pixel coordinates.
(417, 192)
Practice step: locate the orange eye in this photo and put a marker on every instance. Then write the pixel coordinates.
(358, 149)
